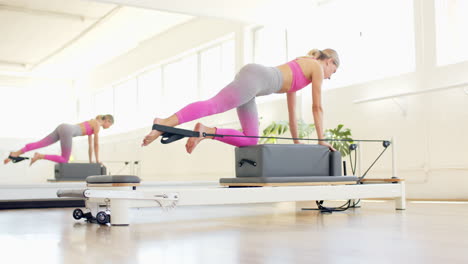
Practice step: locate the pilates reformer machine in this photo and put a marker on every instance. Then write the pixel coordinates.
(264, 174)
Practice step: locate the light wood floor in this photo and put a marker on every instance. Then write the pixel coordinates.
(261, 233)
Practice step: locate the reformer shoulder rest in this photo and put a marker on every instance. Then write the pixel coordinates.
(102, 179)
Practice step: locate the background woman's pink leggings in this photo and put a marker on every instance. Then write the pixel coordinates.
(64, 133)
(251, 81)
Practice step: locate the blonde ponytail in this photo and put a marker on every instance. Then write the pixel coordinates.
(105, 117)
(315, 53)
(325, 54)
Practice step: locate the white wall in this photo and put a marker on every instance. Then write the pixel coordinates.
(22, 173)
(430, 128)
(430, 133)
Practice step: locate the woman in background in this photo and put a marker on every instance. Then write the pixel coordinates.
(65, 133)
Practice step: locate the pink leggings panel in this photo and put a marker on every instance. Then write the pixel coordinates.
(247, 114)
(59, 159)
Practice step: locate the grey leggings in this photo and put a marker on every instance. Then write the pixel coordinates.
(64, 133)
(251, 81)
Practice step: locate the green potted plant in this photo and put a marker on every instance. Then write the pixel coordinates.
(277, 129)
(340, 133)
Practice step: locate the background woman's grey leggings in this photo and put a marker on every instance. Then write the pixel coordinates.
(64, 133)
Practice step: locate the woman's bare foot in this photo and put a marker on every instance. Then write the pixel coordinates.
(36, 157)
(193, 141)
(153, 135)
(12, 154)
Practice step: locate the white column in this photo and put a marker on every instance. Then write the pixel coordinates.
(394, 168)
(400, 202)
(119, 212)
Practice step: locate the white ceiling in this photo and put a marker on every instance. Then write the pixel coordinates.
(67, 38)
(50, 38)
(284, 12)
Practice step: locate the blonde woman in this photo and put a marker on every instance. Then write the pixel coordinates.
(65, 133)
(257, 80)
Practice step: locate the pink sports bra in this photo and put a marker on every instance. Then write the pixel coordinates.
(299, 80)
(89, 129)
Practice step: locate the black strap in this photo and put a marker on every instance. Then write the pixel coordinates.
(17, 159)
(171, 134)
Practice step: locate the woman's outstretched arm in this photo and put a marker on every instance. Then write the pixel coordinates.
(96, 146)
(317, 110)
(291, 99)
(90, 148)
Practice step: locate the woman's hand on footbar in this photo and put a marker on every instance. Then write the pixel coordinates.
(326, 144)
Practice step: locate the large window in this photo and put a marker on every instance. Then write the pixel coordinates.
(86, 108)
(216, 68)
(104, 102)
(451, 27)
(41, 107)
(269, 49)
(125, 105)
(11, 122)
(164, 89)
(180, 82)
(270, 46)
(150, 100)
(371, 45)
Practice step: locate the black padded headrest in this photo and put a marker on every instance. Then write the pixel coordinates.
(113, 179)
